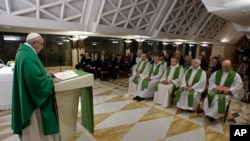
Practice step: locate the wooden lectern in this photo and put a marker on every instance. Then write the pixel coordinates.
(68, 93)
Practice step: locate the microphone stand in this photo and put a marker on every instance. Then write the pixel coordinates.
(59, 63)
(1, 61)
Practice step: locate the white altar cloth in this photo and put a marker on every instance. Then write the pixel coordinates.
(6, 76)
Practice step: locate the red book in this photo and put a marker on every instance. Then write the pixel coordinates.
(222, 88)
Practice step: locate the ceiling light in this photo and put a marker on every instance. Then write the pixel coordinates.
(65, 40)
(178, 43)
(140, 40)
(127, 41)
(9, 38)
(165, 43)
(204, 44)
(191, 45)
(115, 42)
(82, 37)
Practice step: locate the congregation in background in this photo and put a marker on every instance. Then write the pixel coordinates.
(168, 79)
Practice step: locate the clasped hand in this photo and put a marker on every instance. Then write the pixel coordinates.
(226, 92)
(188, 88)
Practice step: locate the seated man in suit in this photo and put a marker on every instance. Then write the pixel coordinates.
(140, 71)
(193, 83)
(81, 63)
(222, 84)
(119, 66)
(169, 82)
(215, 64)
(146, 86)
(163, 62)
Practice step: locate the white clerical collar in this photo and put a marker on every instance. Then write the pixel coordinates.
(196, 69)
(158, 63)
(225, 72)
(174, 66)
(31, 47)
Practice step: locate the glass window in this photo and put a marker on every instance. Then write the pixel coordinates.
(56, 51)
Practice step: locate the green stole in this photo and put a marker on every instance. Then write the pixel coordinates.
(191, 93)
(152, 72)
(222, 98)
(136, 79)
(176, 75)
(185, 69)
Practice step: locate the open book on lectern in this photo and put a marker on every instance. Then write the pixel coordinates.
(65, 75)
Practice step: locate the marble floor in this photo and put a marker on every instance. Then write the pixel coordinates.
(119, 118)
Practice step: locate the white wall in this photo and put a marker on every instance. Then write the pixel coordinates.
(217, 50)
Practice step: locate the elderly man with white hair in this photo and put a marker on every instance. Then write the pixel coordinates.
(192, 85)
(34, 112)
(223, 84)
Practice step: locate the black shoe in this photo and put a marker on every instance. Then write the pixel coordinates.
(135, 98)
(140, 99)
(210, 119)
(200, 111)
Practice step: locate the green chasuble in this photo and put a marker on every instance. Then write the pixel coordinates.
(136, 79)
(32, 89)
(191, 93)
(152, 72)
(176, 75)
(222, 98)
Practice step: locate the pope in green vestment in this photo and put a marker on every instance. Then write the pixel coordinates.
(32, 89)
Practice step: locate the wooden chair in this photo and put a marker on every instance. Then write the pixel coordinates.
(121, 74)
(104, 75)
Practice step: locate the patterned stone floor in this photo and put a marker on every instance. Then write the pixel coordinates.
(119, 118)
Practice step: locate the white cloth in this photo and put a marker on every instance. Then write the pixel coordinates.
(149, 92)
(132, 86)
(164, 66)
(137, 60)
(162, 96)
(198, 87)
(234, 89)
(6, 78)
(34, 132)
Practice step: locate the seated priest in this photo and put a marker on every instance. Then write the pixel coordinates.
(223, 84)
(169, 82)
(145, 87)
(140, 72)
(193, 83)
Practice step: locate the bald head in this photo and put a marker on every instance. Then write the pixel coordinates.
(226, 65)
(227, 62)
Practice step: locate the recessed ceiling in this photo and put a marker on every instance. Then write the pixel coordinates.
(165, 20)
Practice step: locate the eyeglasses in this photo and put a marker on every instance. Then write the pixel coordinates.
(42, 44)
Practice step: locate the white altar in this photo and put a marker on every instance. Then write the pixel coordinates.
(6, 76)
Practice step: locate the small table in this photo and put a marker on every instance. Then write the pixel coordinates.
(6, 78)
